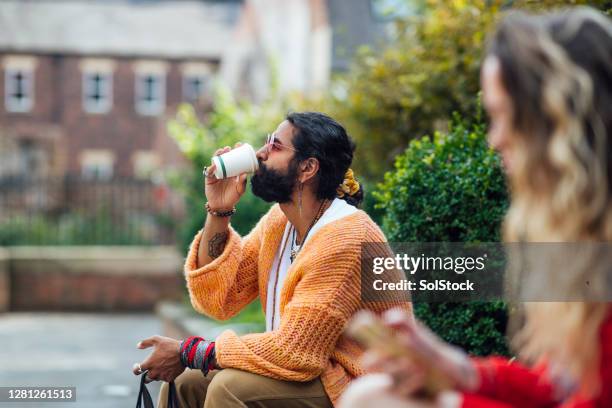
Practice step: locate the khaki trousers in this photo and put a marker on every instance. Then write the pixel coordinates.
(231, 388)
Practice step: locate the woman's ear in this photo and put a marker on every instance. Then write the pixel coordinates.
(308, 169)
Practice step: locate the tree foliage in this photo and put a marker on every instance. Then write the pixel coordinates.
(410, 85)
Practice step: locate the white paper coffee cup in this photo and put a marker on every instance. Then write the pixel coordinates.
(235, 162)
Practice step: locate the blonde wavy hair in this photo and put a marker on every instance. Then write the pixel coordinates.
(557, 69)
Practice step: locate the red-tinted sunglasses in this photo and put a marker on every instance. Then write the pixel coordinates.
(273, 144)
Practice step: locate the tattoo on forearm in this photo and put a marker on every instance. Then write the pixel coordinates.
(216, 245)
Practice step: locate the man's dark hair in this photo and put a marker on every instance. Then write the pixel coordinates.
(323, 138)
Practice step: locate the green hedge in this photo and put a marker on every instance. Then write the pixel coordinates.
(450, 188)
(77, 227)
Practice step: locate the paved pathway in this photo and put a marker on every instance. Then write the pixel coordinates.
(93, 352)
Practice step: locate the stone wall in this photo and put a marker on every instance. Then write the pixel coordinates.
(93, 278)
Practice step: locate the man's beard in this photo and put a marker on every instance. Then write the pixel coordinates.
(272, 185)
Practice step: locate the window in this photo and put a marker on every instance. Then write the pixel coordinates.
(150, 93)
(197, 77)
(97, 164)
(194, 87)
(145, 163)
(97, 92)
(33, 158)
(19, 89)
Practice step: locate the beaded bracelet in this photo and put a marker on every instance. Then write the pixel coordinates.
(227, 213)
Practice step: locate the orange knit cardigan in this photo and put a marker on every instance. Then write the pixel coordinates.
(320, 293)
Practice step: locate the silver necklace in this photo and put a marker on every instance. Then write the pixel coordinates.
(295, 248)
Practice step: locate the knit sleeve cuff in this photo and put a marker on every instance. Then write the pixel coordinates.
(225, 336)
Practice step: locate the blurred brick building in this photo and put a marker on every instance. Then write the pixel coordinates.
(88, 86)
(303, 42)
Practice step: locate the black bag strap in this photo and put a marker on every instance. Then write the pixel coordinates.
(172, 396)
(144, 397)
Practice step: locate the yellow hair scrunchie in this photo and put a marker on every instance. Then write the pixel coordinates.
(349, 186)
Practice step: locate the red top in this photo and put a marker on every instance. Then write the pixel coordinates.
(506, 384)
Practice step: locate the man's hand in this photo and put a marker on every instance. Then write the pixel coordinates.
(164, 363)
(224, 194)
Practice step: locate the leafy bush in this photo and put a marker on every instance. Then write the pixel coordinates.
(78, 228)
(446, 188)
(450, 188)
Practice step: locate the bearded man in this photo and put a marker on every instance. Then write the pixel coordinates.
(302, 259)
